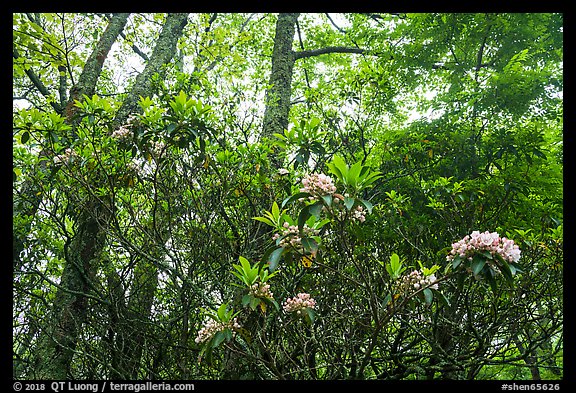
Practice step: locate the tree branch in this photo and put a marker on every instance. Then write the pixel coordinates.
(327, 50)
(38, 83)
(135, 48)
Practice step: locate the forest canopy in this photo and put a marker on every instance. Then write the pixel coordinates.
(287, 196)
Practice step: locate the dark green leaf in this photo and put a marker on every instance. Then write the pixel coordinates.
(274, 258)
(327, 200)
(477, 264)
(315, 209)
(246, 299)
(303, 217)
(456, 261)
(218, 338)
(428, 295)
(295, 197)
(440, 296)
(310, 245)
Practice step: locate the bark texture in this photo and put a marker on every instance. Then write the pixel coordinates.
(163, 52)
(283, 58)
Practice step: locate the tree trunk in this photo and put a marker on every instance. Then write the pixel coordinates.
(164, 51)
(278, 94)
(57, 342)
(26, 204)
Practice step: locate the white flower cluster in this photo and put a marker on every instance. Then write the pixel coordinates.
(156, 148)
(68, 156)
(298, 303)
(261, 290)
(358, 214)
(416, 280)
(291, 235)
(122, 134)
(318, 184)
(211, 327)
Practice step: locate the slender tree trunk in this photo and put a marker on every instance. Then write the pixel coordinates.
(57, 341)
(130, 333)
(283, 58)
(164, 51)
(56, 348)
(27, 202)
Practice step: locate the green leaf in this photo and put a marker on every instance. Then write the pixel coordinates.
(246, 299)
(315, 209)
(339, 168)
(311, 315)
(440, 296)
(507, 272)
(490, 278)
(310, 245)
(349, 202)
(368, 205)
(245, 264)
(222, 311)
(477, 264)
(327, 200)
(274, 258)
(217, 339)
(25, 137)
(352, 178)
(275, 303)
(303, 217)
(386, 300)
(428, 295)
(456, 261)
(294, 197)
(254, 302)
(265, 220)
(275, 210)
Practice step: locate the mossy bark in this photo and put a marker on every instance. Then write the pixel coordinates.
(279, 92)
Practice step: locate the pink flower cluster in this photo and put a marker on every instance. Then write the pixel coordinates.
(291, 235)
(415, 280)
(318, 184)
(298, 303)
(211, 327)
(486, 241)
(261, 290)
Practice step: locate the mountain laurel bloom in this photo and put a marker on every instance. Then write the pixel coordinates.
(211, 327)
(122, 134)
(261, 290)
(291, 235)
(318, 184)
(486, 241)
(298, 303)
(416, 280)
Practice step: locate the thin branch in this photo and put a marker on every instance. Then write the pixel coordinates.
(341, 30)
(38, 83)
(135, 48)
(327, 50)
